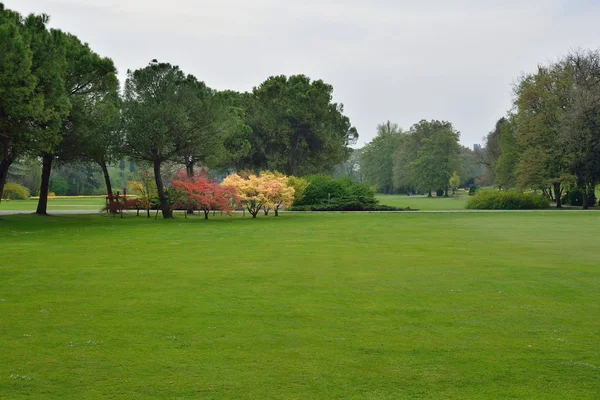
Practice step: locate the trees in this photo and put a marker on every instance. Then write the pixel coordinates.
(436, 160)
(278, 191)
(509, 154)
(203, 194)
(33, 100)
(427, 156)
(296, 128)
(250, 190)
(454, 182)
(580, 123)
(159, 115)
(89, 80)
(540, 100)
(376, 159)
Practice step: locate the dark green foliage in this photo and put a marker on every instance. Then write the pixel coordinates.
(492, 200)
(14, 191)
(439, 192)
(59, 186)
(342, 205)
(297, 129)
(473, 190)
(327, 194)
(574, 197)
(325, 190)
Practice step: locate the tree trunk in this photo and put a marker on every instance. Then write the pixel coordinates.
(253, 213)
(206, 214)
(446, 191)
(586, 204)
(277, 212)
(4, 165)
(42, 208)
(160, 188)
(429, 195)
(266, 210)
(557, 194)
(107, 182)
(189, 170)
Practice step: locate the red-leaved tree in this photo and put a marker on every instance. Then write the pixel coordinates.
(199, 193)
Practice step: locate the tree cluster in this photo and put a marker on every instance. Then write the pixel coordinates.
(60, 103)
(422, 159)
(550, 141)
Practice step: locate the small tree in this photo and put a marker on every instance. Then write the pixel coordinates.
(454, 182)
(203, 194)
(277, 191)
(145, 188)
(252, 192)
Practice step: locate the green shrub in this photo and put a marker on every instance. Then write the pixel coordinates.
(60, 186)
(327, 194)
(325, 190)
(492, 200)
(439, 192)
(574, 197)
(14, 191)
(473, 190)
(347, 206)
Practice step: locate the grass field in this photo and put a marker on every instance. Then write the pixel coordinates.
(93, 204)
(424, 202)
(305, 306)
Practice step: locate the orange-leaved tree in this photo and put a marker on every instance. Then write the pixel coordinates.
(199, 193)
(277, 191)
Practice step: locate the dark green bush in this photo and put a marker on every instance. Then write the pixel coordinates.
(491, 200)
(439, 192)
(326, 190)
(327, 194)
(574, 197)
(473, 190)
(347, 207)
(14, 191)
(59, 185)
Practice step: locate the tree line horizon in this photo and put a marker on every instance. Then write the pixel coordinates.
(62, 104)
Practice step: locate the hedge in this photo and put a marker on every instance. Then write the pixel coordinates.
(492, 200)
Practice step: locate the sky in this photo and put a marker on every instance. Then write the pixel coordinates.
(395, 60)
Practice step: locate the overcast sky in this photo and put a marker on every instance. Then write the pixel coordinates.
(386, 59)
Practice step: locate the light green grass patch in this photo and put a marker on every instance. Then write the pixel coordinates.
(457, 202)
(92, 204)
(304, 306)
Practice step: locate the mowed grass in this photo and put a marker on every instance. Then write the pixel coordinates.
(304, 306)
(425, 203)
(75, 203)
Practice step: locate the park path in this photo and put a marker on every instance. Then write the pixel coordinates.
(82, 212)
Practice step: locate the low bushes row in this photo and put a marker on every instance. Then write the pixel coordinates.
(348, 205)
(574, 197)
(496, 200)
(327, 194)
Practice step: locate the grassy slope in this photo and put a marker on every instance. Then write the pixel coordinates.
(316, 306)
(424, 203)
(93, 204)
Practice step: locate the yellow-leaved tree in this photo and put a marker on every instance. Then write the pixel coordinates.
(269, 191)
(277, 191)
(249, 190)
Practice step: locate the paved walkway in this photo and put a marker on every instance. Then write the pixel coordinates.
(565, 210)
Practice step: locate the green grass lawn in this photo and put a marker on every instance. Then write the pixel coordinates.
(75, 203)
(305, 306)
(424, 203)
